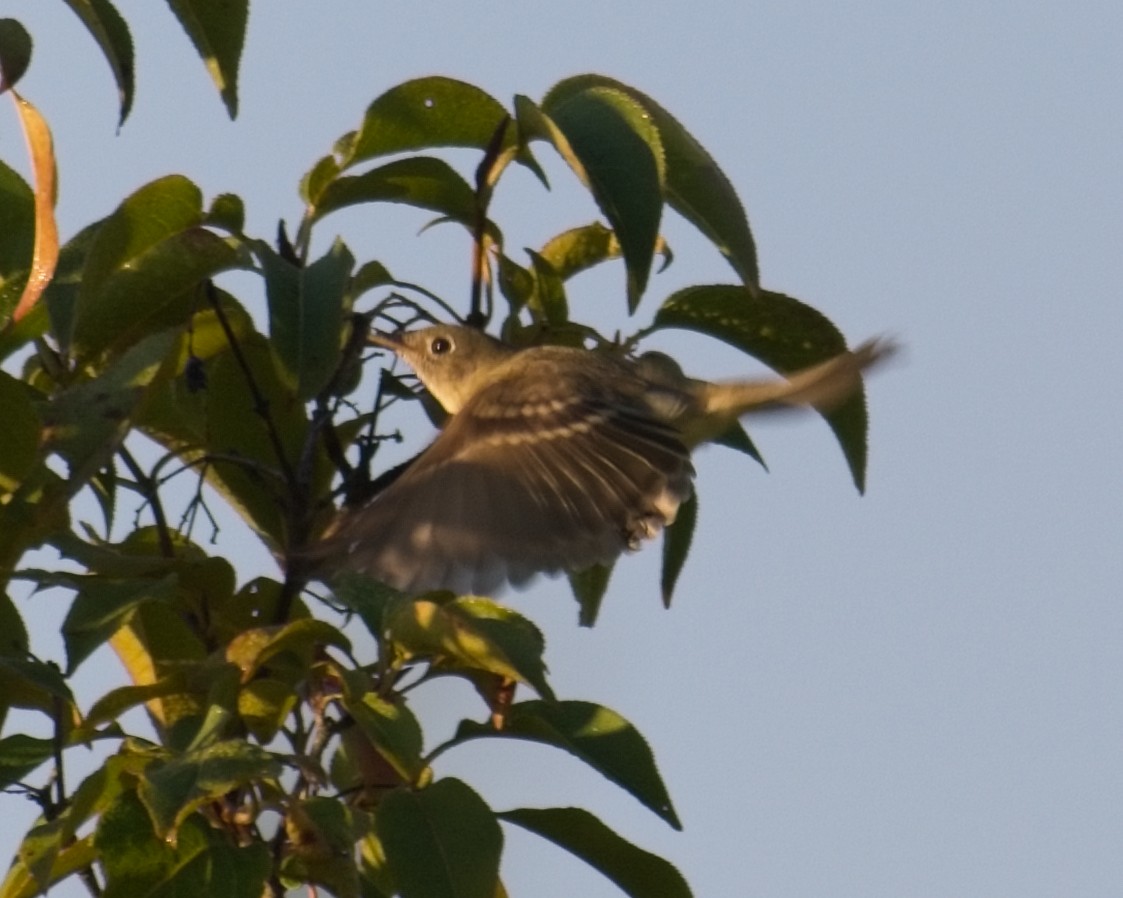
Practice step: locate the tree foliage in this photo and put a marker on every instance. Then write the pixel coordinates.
(276, 756)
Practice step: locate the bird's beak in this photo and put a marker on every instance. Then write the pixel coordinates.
(393, 342)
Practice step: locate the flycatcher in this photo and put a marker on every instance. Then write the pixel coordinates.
(553, 459)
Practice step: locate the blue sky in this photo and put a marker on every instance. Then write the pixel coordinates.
(915, 692)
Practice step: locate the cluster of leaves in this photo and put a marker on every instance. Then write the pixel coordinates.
(276, 756)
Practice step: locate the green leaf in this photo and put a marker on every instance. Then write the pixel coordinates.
(592, 733)
(15, 53)
(306, 315)
(254, 648)
(87, 422)
(638, 873)
(228, 212)
(31, 683)
(321, 834)
(117, 701)
(61, 295)
(737, 438)
(144, 265)
(371, 599)
(13, 641)
(589, 587)
(389, 726)
(217, 28)
(580, 249)
(427, 113)
(548, 299)
(782, 332)
(19, 755)
(201, 861)
(611, 144)
(112, 35)
(473, 633)
(676, 545)
(421, 181)
(441, 842)
(102, 606)
(19, 450)
(19, 883)
(17, 237)
(696, 187)
(174, 788)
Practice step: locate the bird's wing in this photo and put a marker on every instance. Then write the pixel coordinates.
(519, 484)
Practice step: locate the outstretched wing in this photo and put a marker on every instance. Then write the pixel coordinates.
(522, 481)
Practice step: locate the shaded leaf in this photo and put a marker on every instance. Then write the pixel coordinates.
(592, 733)
(440, 842)
(100, 608)
(144, 264)
(174, 788)
(19, 450)
(589, 587)
(548, 297)
(19, 755)
(421, 181)
(15, 53)
(676, 544)
(217, 28)
(306, 315)
(17, 237)
(322, 839)
(696, 187)
(112, 35)
(426, 113)
(613, 147)
(638, 873)
(782, 332)
(228, 212)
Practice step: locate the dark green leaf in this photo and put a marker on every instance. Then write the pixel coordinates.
(112, 35)
(738, 438)
(676, 544)
(31, 683)
(589, 587)
(217, 28)
(15, 53)
(100, 608)
(638, 873)
(144, 264)
(782, 332)
(696, 187)
(306, 315)
(19, 450)
(441, 842)
(596, 735)
(371, 599)
(321, 832)
(174, 788)
(228, 212)
(13, 633)
(548, 299)
(19, 755)
(612, 145)
(17, 237)
(61, 295)
(427, 113)
(421, 181)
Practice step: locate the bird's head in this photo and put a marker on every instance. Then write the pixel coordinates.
(452, 361)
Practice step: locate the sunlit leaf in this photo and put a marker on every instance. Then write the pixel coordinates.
(46, 249)
(440, 842)
(596, 735)
(217, 28)
(474, 633)
(390, 726)
(638, 873)
(112, 35)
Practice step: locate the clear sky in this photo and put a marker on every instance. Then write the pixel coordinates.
(913, 693)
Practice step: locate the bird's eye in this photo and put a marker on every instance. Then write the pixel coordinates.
(440, 345)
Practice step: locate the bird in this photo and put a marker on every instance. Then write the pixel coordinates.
(553, 458)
